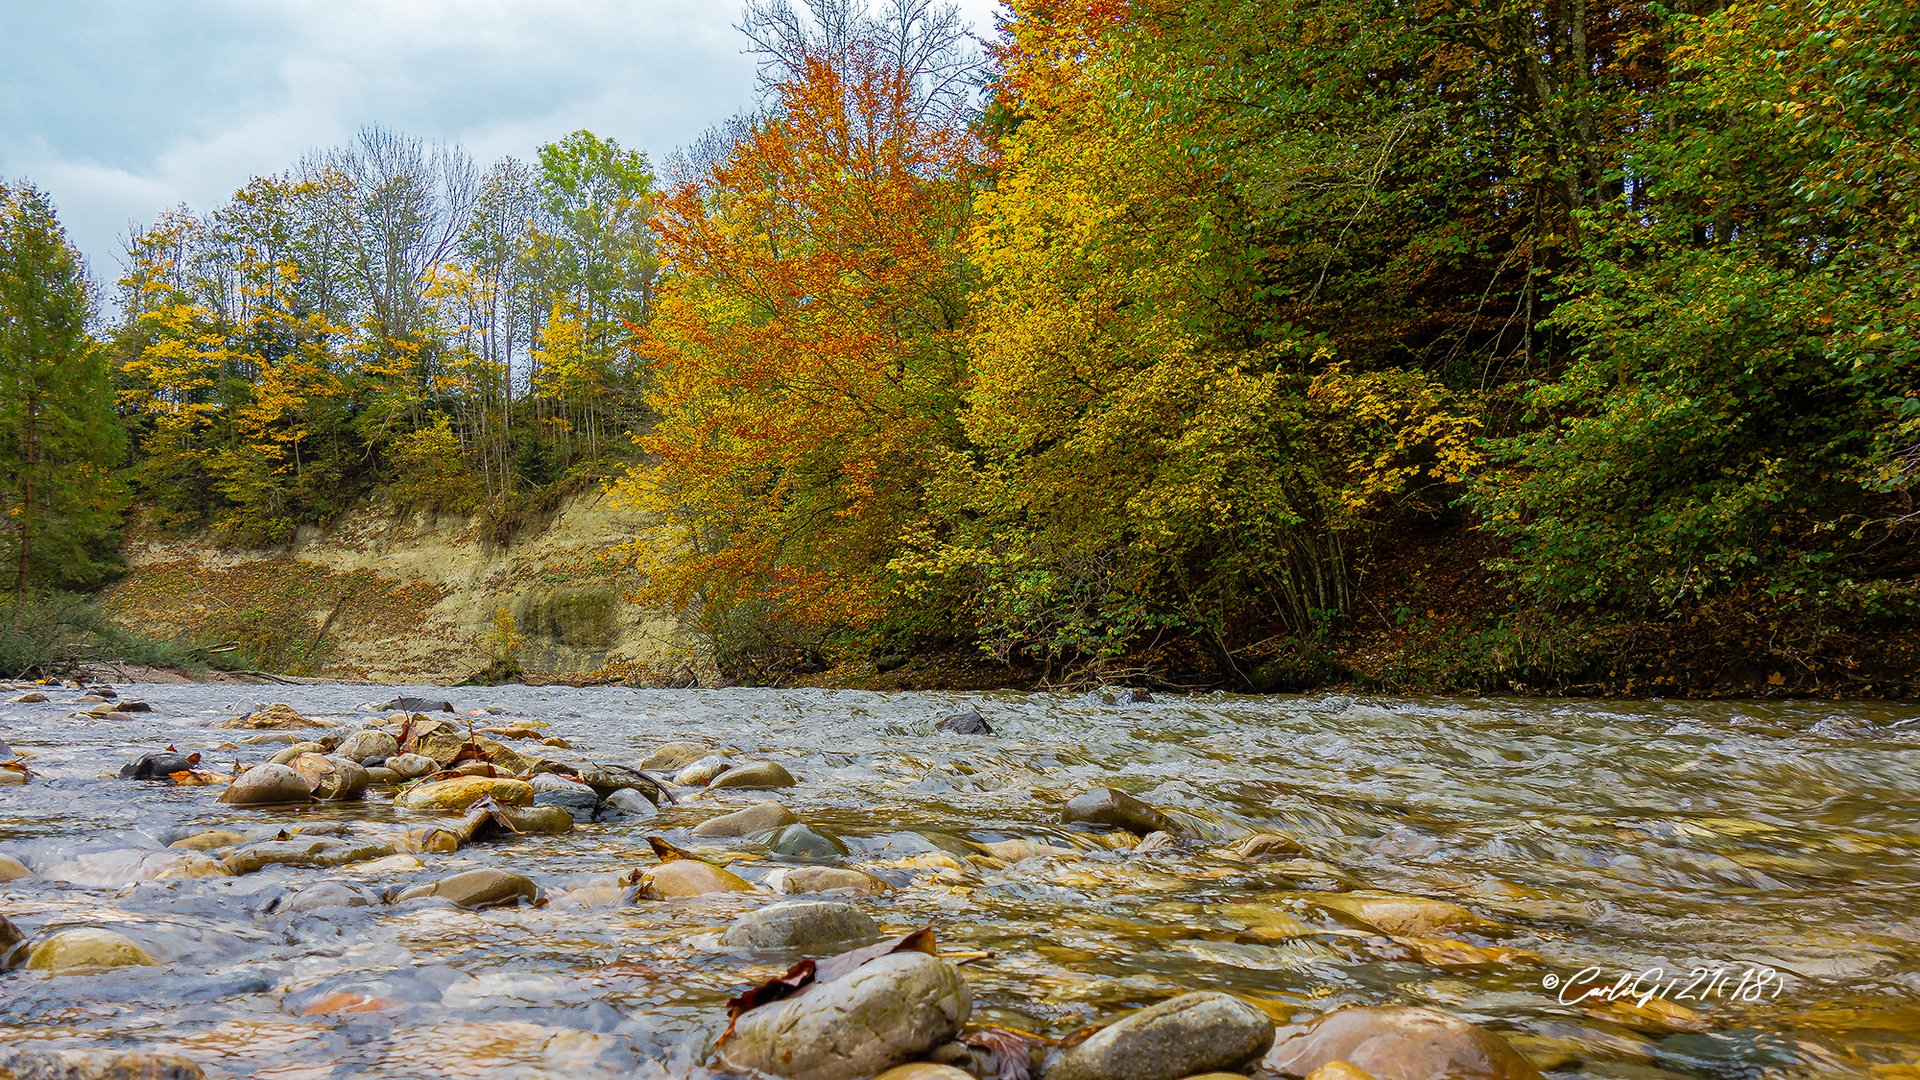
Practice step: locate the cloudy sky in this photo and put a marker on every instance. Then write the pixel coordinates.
(122, 108)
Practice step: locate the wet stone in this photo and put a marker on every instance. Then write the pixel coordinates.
(316, 851)
(156, 766)
(322, 896)
(627, 804)
(674, 756)
(482, 888)
(1106, 806)
(804, 925)
(85, 949)
(761, 817)
(580, 802)
(267, 785)
(367, 744)
(702, 772)
(1397, 1041)
(754, 774)
(967, 721)
(801, 880)
(31, 1064)
(1192, 1033)
(287, 756)
(12, 869)
(802, 841)
(10, 936)
(884, 1013)
(410, 766)
(690, 877)
(463, 791)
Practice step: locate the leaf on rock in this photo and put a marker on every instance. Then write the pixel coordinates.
(1010, 1051)
(809, 972)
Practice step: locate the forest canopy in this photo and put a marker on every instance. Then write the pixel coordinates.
(1209, 340)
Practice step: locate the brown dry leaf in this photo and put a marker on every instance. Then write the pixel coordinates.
(808, 972)
(1010, 1051)
(667, 852)
(198, 778)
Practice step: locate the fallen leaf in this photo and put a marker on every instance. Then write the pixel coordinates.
(809, 972)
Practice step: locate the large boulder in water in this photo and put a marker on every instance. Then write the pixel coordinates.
(761, 817)
(967, 721)
(885, 1012)
(158, 765)
(1398, 1041)
(1189, 1034)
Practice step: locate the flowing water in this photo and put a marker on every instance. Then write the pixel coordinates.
(1775, 847)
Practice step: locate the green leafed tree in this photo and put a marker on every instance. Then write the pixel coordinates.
(59, 438)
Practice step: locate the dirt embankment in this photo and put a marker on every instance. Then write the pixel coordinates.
(414, 599)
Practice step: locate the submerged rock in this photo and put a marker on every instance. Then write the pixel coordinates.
(1192, 1033)
(1268, 846)
(925, 1070)
(702, 772)
(803, 841)
(86, 949)
(885, 1012)
(537, 820)
(1398, 1041)
(754, 774)
(460, 792)
(761, 817)
(577, 800)
(807, 925)
(311, 851)
(10, 936)
(482, 888)
(689, 877)
(821, 879)
(674, 756)
(95, 1065)
(265, 785)
(967, 721)
(1107, 806)
(321, 896)
(12, 869)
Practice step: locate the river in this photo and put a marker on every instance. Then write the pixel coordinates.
(1773, 846)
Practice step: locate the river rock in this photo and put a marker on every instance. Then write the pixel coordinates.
(967, 721)
(1192, 1033)
(10, 936)
(1106, 806)
(310, 851)
(674, 756)
(209, 840)
(803, 841)
(31, 697)
(86, 949)
(804, 925)
(95, 1065)
(754, 774)
(411, 766)
(538, 820)
(761, 817)
(332, 778)
(285, 757)
(267, 785)
(460, 792)
(924, 1070)
(1268, 846)
(156, 766)
(12, 869)
(1398, 1041)
(369, 743)
(1404, 916)
(577, 800)
(417, 705)
(482, 888)
(689, 877)
(702, 772)
(12, 777)
(885, 1012)
(803, 880)
(628, 804)
(278, 716)
(321, 896)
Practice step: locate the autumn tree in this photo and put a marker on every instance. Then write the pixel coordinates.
(809, 345)
(59, 439)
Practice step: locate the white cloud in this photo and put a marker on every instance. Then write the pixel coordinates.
(122, 109)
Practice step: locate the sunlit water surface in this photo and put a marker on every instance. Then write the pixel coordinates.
(1621, 836)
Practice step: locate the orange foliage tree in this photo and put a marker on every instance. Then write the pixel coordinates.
(808, 347)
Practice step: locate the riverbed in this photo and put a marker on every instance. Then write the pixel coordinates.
(1762, 858)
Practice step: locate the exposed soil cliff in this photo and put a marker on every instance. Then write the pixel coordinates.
(414, 599)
